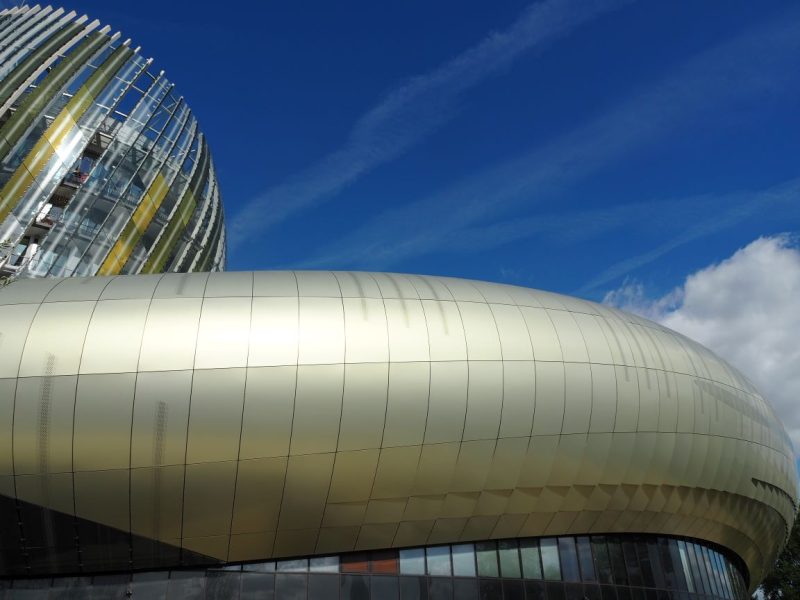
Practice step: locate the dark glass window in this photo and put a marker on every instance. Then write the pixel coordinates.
(631, 563)
(623, 593)
(438, 560)
(509, 559)
(357, 562)
(686, 567)
(412, 588)
(323, 587)
(531, 562)
(463, 560)
(465, 589)
(591, 591)
(550, 563)
(222, 585)
(636, 593)
(698, 572)
(512, 590)
(486, 554)
(555, 591)
(490, 589)
(187, 584)
(384, 586)
(585, 559)
(573, 591)
(299, 565)
(617, 562)
(355, 587)
(534, 590)
(608, 592)
(656, 564)
(385, 562)
(569, 559)
(440, 588)
(324, 564)
(601, 559)
(644, 564)
(289, 587)
(256, 586)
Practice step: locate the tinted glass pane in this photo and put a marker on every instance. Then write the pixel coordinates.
(144, 585)
(509, 558)
(412, 561)
(617, 562)
(573, 591)
(413, 588)
(355, 587)
(585, 559)
(698, 570)
(531, 564)
(550, 563)
(591, 591)
(290, 587)
(265, 567)
(324, 564)
(623, 593)
(385, 561)
(257, 586)
(486, 554)
(631, 563)
(490, 589)
(608, 592)
(223, 585)
(357, 562)
(299, 565)
(384, 586)
(644, 564)
(712, 576)
(534, 590)
(555, 591)
(656, 565)
(512, 589)
(464, 560)
(685, 566)
(323, 587)
(438, 560)
(465, 589)
(440, 589)
(187, 584)
(602, 561)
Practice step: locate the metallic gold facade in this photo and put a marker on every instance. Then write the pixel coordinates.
(244, 416)
(103, 168)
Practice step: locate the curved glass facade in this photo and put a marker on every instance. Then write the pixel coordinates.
(103, 169)
(598, 567)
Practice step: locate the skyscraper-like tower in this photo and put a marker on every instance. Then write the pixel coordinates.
(103, 168)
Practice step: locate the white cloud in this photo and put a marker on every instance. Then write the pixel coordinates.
(412, 111)
(747, 310)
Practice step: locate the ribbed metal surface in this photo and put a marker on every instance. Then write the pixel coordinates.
(244, 416)
(103, 169)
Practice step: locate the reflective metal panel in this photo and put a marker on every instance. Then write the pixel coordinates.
(270, 424)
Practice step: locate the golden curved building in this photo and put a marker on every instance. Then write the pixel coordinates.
(187, 419)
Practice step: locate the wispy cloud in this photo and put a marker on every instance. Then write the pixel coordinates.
(413, 111)
(719, 214)
(754, 64)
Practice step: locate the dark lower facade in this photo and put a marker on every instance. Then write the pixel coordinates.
(596, 567)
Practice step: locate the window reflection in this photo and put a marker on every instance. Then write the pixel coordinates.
(555, 568)
(550, 564)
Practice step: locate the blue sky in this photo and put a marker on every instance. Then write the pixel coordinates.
(567, 145)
